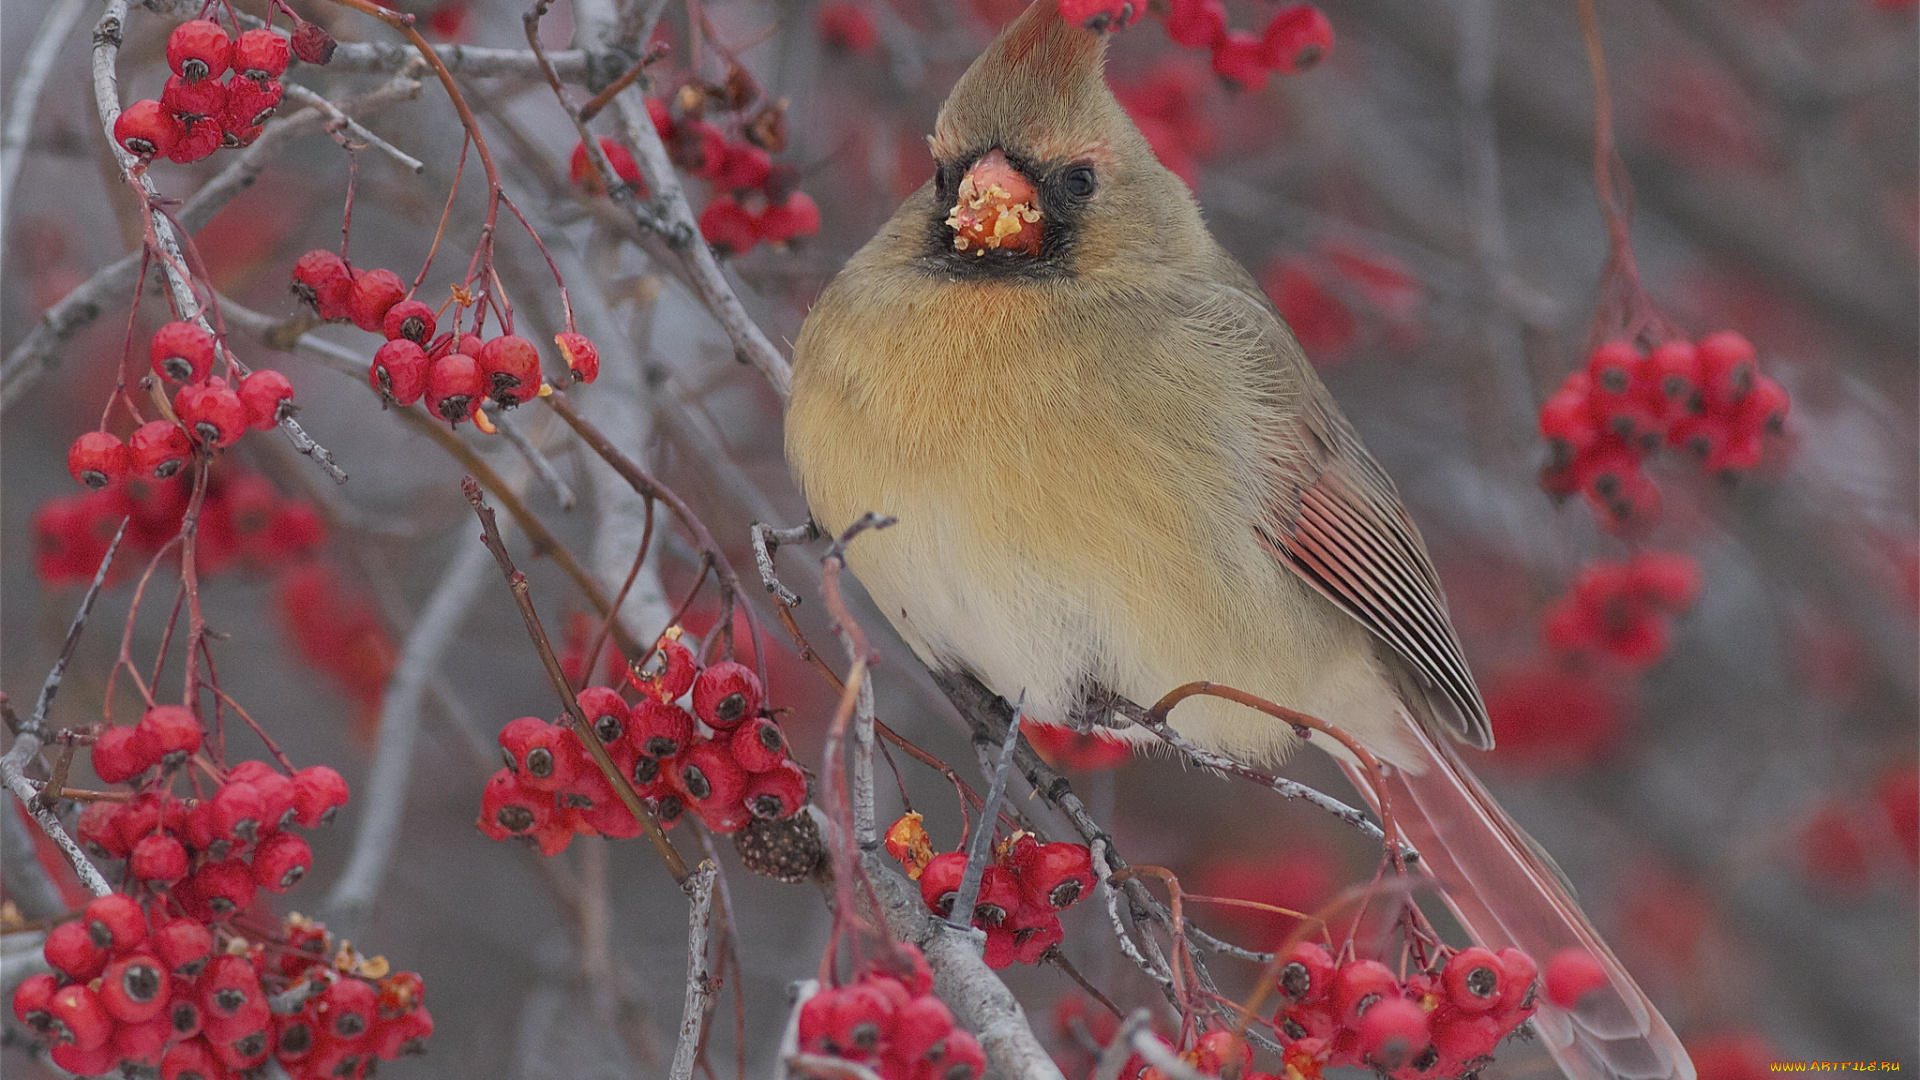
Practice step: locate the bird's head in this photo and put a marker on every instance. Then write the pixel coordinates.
(1039, 171)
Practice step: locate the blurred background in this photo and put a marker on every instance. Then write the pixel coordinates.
(1739, 815)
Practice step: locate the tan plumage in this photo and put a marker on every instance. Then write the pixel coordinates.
(1113, 469)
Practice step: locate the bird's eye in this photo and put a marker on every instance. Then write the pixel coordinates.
(1080, 181)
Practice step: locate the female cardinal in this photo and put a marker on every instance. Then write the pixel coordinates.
(1115, 473)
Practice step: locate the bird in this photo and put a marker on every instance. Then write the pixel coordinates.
(1114, 472)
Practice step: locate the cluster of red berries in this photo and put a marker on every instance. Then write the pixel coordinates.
(1624, 609)
(755, 200)
(135, 989)
(455, 372)
(199, 112)
(211, 413)
(1705, 397)
(723, 761)
(1432, 1024)
(243, 520)
(1021, 894)
(208, 855)
(1298, 37)
(893, 1025)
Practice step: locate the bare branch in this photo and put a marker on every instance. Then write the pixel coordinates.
(538, 461)
(55, 27)
(980, 844)
(699, 889)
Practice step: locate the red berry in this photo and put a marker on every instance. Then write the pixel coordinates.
(1241, 58)
(606, 714)
(267, 397)
(133, 990)
(120, 754)
(1308, 974)
(1298, 38)
(318, 792)
(97, 1061)
(581, 172)
(281, 861)
(1358, 985)
(243, 1047)
(509, 809)
(744, 166)
(115, 922)
(660, 730)
(920, 1028)
(1518, 972)
(294, 1037)
(183, 945)
(669, 673)
(776, 793)
(759, 746)
(1222, 1053)
(192, 103)
(845, 25)
(698, 147)
(238, 814)
(1392, 1034)
(31, 999)
(728, 226)
(1571, 975)
(860, 1017)
(249, 104)
(374, 293)
(1674, 367)
(182, 352)
(511, 367)
(350, 1007)
(230, 990)
(189, 1059)
(964, 1059)
(1613, 367)
(403, 1035)
(1726, 368)
(399, 370)
(1056, 876)
(1196, 24)
(211, 412)
(312, 44)
(172, 731)
(540, 754)
(797, 215)
(1472, 979)
(707, 775)
(261, 55)
(159, 449)
(98, 458)
(225, 888)
(322, 280)
(581, 356)
(454, 386)
(725, 694)
(196, 138)
(199, 49)
(98, 829)
(940, 881)
(1764, 408)
(145, 129)
(999, 897)
(71, 950)
(409, 319)
(78, 1011)
(158, 861)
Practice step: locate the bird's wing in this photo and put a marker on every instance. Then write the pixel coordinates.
(1335, 519)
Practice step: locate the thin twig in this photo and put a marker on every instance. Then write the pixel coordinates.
(340, 121)
(531, 454)
(1114, 1057)
(699, 889)
(961, 915)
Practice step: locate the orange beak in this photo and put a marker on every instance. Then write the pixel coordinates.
(997, 209)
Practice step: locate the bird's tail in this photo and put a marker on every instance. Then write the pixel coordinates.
(1506, 892)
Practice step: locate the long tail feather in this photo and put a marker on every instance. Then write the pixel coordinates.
(1506, 893)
